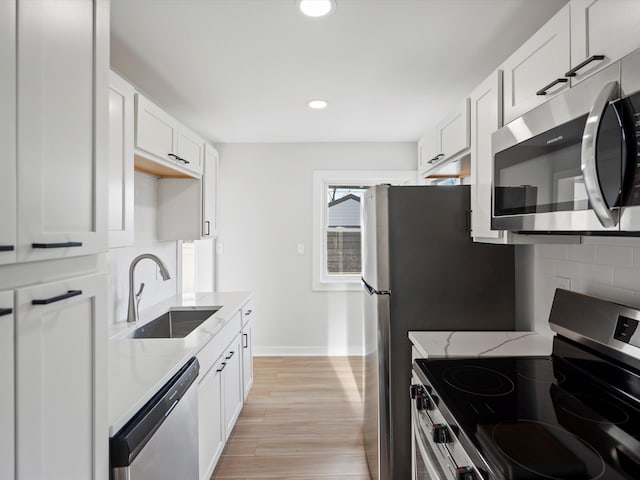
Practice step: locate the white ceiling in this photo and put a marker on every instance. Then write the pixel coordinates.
(243, 70)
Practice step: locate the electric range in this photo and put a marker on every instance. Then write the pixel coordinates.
(572, 415)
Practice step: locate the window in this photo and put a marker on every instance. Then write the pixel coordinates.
(337, 245)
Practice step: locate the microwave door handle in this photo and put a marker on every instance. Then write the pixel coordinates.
(607, 217)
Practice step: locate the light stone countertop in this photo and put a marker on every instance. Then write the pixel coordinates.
(481, 344)
(138, 368)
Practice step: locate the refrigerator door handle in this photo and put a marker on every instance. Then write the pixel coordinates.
(372, 291)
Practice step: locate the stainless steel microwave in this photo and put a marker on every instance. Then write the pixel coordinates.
(572, 165)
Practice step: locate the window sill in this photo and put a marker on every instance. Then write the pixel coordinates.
(337, 286)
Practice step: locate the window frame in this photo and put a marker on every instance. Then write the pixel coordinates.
(322, 179)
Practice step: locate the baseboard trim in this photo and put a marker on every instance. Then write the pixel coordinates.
(354, 350)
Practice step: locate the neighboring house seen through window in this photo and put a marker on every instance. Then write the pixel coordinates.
(337, 244)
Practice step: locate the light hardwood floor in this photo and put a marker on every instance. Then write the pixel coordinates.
(302, 421)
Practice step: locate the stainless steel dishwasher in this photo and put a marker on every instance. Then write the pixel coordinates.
(161, 441)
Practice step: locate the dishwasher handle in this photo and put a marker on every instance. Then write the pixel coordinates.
(125, 445)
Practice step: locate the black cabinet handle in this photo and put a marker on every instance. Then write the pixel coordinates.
(245, 340)
(436, 158)
(208, 229)
(56, 245)
(574, 71)
(47, 301)
(543, 91)
(229, 356)
(180, 159)
(222, 366)
(248, 312)
(7, 248)
(5, 311)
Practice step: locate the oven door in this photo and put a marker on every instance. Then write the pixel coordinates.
(558, 168)
(425, 466)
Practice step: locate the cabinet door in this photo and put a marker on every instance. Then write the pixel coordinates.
(453, 132)
(121, 204)
(190, 149)
(602, 27)
(232, 381)
(210, 428)
(61, 366)
(541, 61)
(7, 411)
(156, 130)
(486, 117)
(8, 132)
(247, 360)
(63, 72)
(428, 152)
(210, 193)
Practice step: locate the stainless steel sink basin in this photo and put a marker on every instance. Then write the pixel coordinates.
(174, 324)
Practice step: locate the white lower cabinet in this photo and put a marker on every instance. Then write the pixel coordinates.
(232, 384)
(221, 387)
(61, 411)
(210, 427)
(7, 428)
(247, 360)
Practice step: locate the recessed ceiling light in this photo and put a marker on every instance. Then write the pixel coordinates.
(317, 104)
(316, 8)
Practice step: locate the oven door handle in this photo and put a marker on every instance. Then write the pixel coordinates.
(607, 216)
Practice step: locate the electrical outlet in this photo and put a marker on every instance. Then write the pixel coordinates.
(300, 249)
(219, 248)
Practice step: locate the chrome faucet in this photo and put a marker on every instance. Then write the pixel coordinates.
(134, 300)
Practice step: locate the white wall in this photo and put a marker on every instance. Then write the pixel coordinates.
(607, 268)
(146, 241)
(265, 211)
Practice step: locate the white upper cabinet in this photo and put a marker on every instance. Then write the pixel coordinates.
(63, 73)
(8, 132)
(167, 148)
(453, 131)
(61, 354)
(210, 193)
(190, 149)
(602, 31)
(450, 139)
(486, 118)
(156, 130)
(536, 71)
(7, 409)
(428, 150)
(121, 186)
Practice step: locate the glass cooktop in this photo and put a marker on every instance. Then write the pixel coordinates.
(535, 418)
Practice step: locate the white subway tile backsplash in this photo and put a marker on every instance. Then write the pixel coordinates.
(545, 265)
(616, 256)
(610, 293)
(565, 268)
(627, 278)
(582, 253)
(597, 273)
(603, 267)
(551, 251)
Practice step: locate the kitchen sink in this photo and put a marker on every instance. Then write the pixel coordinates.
(173, 324)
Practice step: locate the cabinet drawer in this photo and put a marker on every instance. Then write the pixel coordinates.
(247, 312)
(212, 350)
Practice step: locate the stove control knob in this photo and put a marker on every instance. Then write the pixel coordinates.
(441, 434)
(416, 391)
(424, 403)
(465, 473)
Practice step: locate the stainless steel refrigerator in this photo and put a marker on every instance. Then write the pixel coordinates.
(421, 271)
